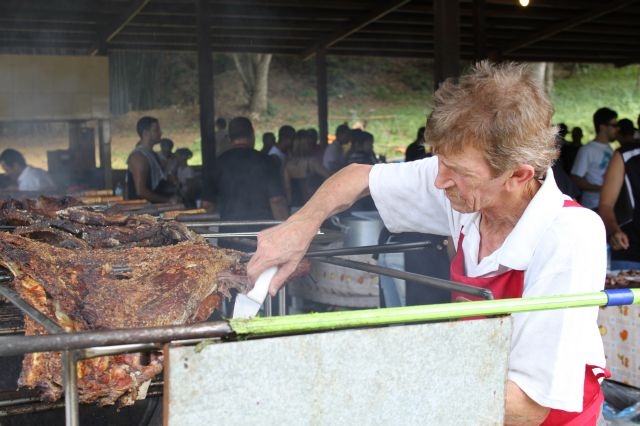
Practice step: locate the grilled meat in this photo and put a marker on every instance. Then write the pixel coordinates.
(97, 230)
(43, 205)
(93, 289)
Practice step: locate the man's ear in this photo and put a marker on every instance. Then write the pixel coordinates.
(520, 176)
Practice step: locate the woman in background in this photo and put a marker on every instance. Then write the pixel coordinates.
(303, 172)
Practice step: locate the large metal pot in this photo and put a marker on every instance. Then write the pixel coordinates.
(359, 228)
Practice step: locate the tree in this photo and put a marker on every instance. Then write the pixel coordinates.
(544, 71)
(254, 72)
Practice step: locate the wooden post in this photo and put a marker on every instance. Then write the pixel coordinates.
(446, 15)
(321, 88)
(104, 151)
(206, 95)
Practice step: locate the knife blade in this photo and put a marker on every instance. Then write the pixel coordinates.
(248, 305)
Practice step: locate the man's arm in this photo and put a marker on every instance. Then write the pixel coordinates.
(584, 184)
(139, 169)
(209, 206)
(613, 179)
(522, 410)
(285, 245)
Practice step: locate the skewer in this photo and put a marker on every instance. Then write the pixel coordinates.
(410, 276)
(238, 234)
(346, 251)
(196, 224)
(192, 224)
(306, 323)
(17, 301)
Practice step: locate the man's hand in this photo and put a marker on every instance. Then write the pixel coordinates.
(619, 241)
(284, 246)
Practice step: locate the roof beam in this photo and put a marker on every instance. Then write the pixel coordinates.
(111, 31)
(353, 27)
(574, 21)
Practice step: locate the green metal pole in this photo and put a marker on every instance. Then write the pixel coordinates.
(414, 314)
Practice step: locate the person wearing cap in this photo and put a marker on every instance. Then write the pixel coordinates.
(620, 200)
(491, 188)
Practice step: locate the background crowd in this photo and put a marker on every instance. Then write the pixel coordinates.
(249, 184)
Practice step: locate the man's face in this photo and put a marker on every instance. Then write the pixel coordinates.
(343, 136)
(467, 181)
(611, 129)
(625, 139)
(155, 134)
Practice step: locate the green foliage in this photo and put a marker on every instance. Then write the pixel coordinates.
(272, 109)
(594, 86)
(390, 96)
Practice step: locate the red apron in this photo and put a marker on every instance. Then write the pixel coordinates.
(510, 284)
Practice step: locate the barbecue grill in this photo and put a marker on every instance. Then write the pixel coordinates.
(181, 343)
(23, 402)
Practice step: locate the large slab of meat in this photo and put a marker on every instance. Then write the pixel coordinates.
(92, 289)
(42, 205)
(78, 227)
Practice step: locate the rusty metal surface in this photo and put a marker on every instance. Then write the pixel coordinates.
(450, 373)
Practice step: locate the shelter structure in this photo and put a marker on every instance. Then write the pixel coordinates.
(447, 31)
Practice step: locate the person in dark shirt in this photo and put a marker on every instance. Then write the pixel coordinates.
(246, 183)
(268, 141)
(569, 150)
(619, 207)
(416, 150)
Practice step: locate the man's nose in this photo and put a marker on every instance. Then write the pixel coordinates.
(443, 180)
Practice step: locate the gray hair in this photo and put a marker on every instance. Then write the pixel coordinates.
(501, 109)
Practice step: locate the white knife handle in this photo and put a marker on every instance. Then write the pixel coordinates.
(259, 291)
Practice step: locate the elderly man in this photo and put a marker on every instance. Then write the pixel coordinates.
(490, 187)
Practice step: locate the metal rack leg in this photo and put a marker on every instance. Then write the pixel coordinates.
(282, 302)
(70, 380)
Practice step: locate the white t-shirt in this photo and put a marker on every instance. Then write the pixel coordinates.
(591, 163)
(333, 158)
(185, 173)
(34, 179)
(562, 250)
(280, 155)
